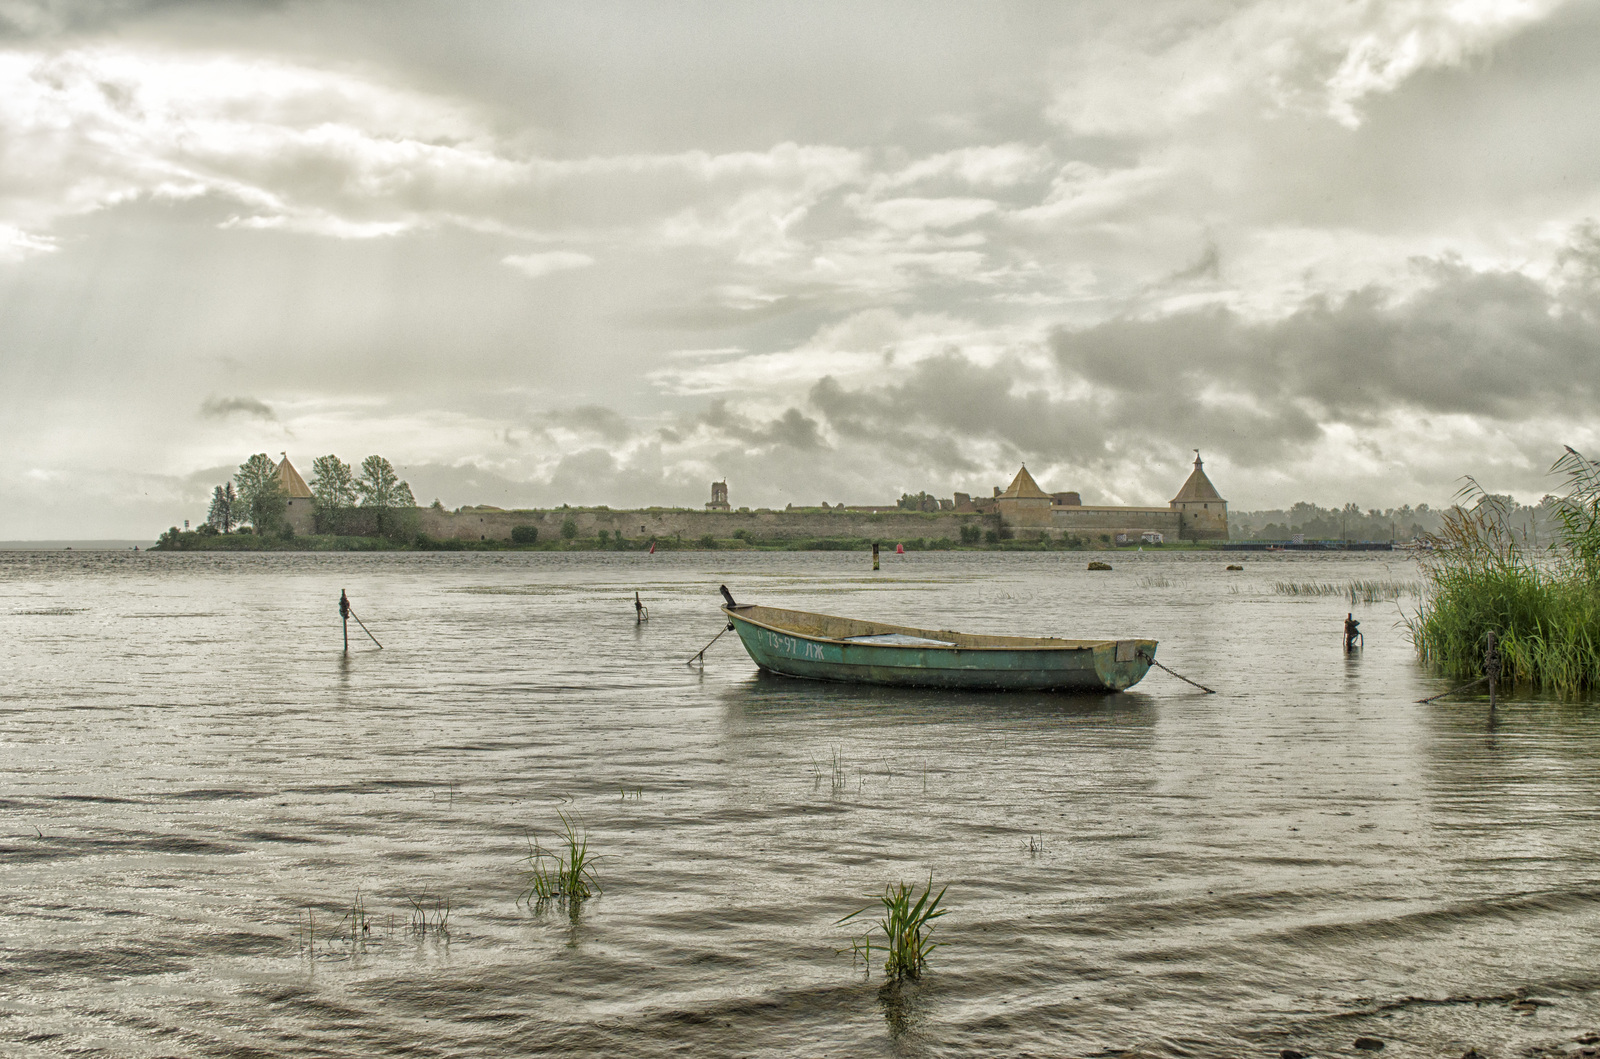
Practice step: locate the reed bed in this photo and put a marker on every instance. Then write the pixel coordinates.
(1543, 602)
(1354, 591)
(907, 928)
(564, 875)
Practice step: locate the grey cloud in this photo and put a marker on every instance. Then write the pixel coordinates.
(1487, 344)
(591, 419)
(792, 429)
(1482, 343)
(223, 407)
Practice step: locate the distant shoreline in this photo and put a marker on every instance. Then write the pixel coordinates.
(196, 542)
(99, 545)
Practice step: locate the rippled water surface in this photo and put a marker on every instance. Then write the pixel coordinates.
(199, 787)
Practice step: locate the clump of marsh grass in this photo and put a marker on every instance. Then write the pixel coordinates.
(430, 915)
(907, 929)
(1157, 581)
(564, 875)
(1544, 603)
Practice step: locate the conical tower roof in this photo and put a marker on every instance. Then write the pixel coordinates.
(1023, 486)
(1198, 487)
(289, 480)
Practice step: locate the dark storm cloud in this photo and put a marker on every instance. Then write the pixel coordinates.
(1495, 345)
(791, 429)
(591, 419)
(223, 407)
(1485, 343)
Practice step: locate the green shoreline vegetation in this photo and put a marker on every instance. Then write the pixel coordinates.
(1541, 599)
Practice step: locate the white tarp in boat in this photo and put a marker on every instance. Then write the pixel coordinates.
(899, 639)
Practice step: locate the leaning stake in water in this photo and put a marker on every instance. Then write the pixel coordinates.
(346, 611)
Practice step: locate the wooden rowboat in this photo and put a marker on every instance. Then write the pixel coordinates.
(797, 643)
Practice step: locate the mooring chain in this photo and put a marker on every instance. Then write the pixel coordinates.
(1180, 676)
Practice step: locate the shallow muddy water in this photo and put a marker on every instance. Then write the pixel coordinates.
(199, 786)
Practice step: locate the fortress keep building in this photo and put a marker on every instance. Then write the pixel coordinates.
(1197, 513)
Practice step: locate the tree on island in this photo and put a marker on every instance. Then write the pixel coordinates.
(261, 501)
(220, 517)
(334, 493)
(382, 489)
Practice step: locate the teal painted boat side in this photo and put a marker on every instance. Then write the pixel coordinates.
(1084, 666)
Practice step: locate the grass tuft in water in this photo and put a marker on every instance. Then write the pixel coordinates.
(360, 924)
(907, 929)
(836, 777)
(564, 875)
(430, 915)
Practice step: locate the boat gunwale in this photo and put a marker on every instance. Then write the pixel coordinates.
(1039, 643)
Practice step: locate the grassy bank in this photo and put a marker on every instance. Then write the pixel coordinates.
(1541, 598)
(180, 541)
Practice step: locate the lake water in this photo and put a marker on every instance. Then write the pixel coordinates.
(199, 785)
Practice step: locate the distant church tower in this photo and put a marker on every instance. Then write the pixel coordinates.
(1202, 513)
(719, 497)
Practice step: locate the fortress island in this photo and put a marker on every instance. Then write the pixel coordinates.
(1021, 514)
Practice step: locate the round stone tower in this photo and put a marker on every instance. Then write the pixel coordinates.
(1202, 513)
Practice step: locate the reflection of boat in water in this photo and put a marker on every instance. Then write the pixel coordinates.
(797, 643)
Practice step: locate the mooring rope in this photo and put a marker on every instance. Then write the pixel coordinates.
(365, 629)
(701, 654)
(1491, 673)
(1180, 676)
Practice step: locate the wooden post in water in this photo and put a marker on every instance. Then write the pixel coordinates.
(1491, 666)
(344, 618)
(874, 555)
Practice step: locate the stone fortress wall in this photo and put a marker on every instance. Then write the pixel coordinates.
(1024, 510)
(471, 523)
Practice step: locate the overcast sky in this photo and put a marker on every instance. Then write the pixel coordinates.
(607, 252)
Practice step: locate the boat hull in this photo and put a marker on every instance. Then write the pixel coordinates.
(966, 662)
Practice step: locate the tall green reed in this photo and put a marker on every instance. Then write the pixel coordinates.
(907, 928)
(1543, 602)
